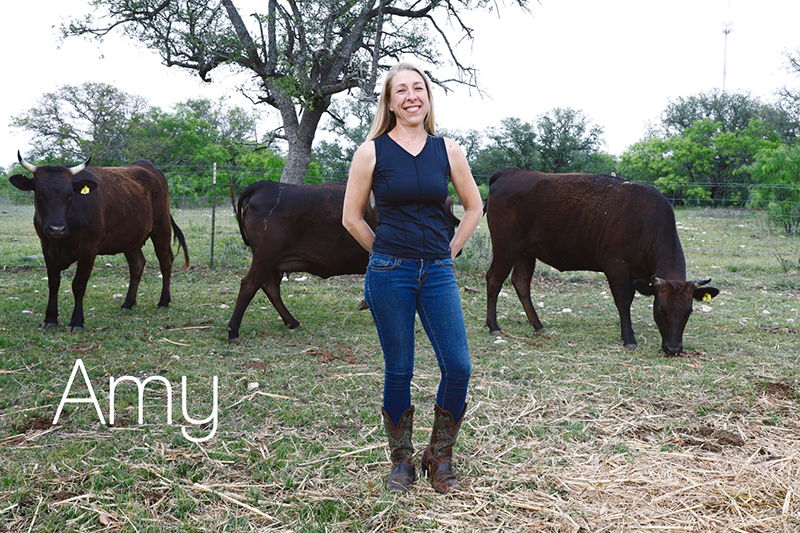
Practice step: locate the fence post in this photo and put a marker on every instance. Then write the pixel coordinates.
(213, 215)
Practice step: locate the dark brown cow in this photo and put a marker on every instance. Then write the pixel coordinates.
(295, 228)
(591, 222)
(82, 212)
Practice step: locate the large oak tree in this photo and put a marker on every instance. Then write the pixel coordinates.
(299, 53)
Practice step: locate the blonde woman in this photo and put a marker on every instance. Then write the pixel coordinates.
(410, 271)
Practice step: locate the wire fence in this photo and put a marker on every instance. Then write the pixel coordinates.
(201, 199)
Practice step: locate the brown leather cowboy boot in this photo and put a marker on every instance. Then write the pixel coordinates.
(403, 471)
(437, 459)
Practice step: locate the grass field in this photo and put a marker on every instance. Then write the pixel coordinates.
(565, 432)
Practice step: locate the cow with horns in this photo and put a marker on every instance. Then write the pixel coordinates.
(82, 212)
(591, 222)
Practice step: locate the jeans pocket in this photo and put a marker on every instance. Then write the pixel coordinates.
(444, 262)
(382, 263)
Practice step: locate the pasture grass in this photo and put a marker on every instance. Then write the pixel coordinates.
(566, 431)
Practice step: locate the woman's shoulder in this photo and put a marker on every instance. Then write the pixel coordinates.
(365, 153)
(453, 148)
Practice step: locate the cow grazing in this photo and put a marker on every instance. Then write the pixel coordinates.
(82, 212)
(590, 222)
(295, 228)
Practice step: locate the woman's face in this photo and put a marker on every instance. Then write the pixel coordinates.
(409, 98)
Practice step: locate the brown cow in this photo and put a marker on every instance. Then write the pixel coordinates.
(295, 228)
(590, 222)
(82, 212)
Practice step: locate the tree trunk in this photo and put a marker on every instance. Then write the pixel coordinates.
(300, 136)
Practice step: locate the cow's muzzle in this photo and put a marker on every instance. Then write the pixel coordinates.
(56, 232)
(672, 349)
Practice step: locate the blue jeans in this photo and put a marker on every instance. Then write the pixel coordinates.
(397, 289)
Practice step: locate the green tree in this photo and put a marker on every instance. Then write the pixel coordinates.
(299, 54)
(513, 144)
(75, 122)
(777, 173)
(709, 164)
(349, 124)
(730, 111)
(567, 141)
(647, 160)
(196, 132)
(562, 140)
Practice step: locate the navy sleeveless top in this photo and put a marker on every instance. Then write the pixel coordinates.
(410, 193)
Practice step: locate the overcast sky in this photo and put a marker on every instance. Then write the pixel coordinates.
(619, 61)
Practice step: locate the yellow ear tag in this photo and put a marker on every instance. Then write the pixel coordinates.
(706, 297)
(85, 190)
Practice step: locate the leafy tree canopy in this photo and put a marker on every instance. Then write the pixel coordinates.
(73, 122)
(113, 128)
(731, 111)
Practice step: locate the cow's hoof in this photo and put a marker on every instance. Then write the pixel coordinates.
(235, 340)
(74, 329)
(297, 325)
(631, 347)
(496, 332)
(542, 330)
(362, 305)
(49, 325)
(161, 307)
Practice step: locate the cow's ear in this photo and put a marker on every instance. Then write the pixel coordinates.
(84, 186)
(644, 287)
(22, 183)
(703, 294)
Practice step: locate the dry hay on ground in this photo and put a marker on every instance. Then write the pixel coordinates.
(569, 465)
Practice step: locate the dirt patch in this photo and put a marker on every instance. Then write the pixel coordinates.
(35, 424)
(781, 389)
(709, 438)
(336, 352)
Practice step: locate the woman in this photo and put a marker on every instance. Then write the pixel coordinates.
(411, 264)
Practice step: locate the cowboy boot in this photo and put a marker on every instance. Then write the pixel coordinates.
(403, 471)
(437, 459)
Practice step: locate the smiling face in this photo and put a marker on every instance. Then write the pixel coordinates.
(408, 99)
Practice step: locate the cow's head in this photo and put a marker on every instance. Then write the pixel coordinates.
(53, 189)
(672, 306)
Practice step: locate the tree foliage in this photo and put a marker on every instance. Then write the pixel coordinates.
(780, 168)
(114, 128)
(73, 122)
(299, 54)
(706, 145)
(561, 140)
(731, 111)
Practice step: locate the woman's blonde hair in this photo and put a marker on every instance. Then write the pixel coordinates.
(384, 118)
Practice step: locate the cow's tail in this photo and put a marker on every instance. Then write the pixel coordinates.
(240, 209)
(182, 242)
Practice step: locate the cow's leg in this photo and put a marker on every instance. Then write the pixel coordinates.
(136, 263)
(53, 284)
(165, 260)
(79, 282)
(272, 288)
(495, 276)
(622, 290)
(251, 282)
(521, 279)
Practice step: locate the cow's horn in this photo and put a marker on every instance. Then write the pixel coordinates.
(701, 283)
(657, 281)
(78, 168)
(30, 168)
